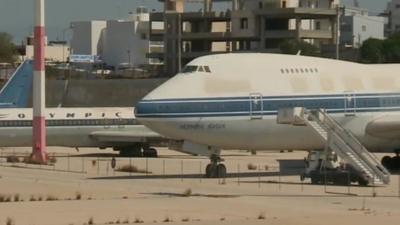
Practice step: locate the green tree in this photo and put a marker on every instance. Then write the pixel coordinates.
(8, 51)
(391, 50)
(293, 46)
(371, 51)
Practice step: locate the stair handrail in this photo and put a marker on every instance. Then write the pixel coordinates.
(332, 125)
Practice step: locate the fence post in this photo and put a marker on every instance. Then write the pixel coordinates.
(98, 165)
(200, 170)
(181, 170)
(147, 166)
(164, 168)
(69, 166)
(83, 164)
(238, 174)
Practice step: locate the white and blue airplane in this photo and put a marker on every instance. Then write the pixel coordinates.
(104, 127)
(15, 93)
(231, 101)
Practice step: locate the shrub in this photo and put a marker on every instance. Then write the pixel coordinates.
(51, 198)
(78, 196)
(261, 216)
(131, 169)
(13, 159)
(187, 192)
(17, 198)
(251, 166)
(138, 220)
(10, 221)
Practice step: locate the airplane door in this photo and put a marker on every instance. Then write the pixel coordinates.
(349, 104)
(256, 106)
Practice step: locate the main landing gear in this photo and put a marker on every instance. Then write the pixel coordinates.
(392, 163)
(216, 169)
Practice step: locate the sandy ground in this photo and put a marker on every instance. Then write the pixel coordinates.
(85, 187)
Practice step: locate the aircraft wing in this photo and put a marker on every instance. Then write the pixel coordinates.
(387, 127)
(137, 134)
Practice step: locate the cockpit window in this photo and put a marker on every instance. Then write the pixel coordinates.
(189, 69)
(192, 68)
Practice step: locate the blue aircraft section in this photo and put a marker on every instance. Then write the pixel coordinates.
(15, 93)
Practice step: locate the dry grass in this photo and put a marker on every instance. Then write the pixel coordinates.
(51, 198)
(78, 196)
(13, 159)
(10, 221)
(187, 192)
(251, 166)
(131, 169)
(52, 160)
(5, 198)
(167, 219)
(186, 219)
(261, 216)
(17, 198)
(90, 221)
(32, 198)
(138, 220)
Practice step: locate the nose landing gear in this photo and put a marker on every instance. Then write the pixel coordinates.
(216, 169)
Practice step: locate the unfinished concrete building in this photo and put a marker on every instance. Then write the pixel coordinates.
(248, 25)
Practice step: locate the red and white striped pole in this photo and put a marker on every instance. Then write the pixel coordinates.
(39, 154)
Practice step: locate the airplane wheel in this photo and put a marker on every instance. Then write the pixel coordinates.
(150, 153)
(363, 182)
(396, 163)
(314, 179)
(209, 170)
(221, 171)
(387, 162)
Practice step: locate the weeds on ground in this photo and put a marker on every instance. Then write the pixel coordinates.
(186, 219)
(17, 198)
(187, 192)
(10, 221)
(90, 221)
(251, 166)
(261, 216)
(51, 198)
(78, 196)
(167, 219)
(13, 159)
(138, 220)
(131, 169)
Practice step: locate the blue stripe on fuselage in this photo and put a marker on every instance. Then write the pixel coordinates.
(240, 106)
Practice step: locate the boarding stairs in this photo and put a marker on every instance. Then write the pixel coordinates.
(346, 146)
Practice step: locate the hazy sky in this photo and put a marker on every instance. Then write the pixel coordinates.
(16, 16)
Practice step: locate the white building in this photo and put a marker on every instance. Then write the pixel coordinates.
(54, 52)
(86, 37)
(357, 26)
(116, 42)
(393, 13)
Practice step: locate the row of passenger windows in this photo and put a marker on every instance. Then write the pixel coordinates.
(274, 105)
(102, 122)
(299, 70)
(193, 68)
